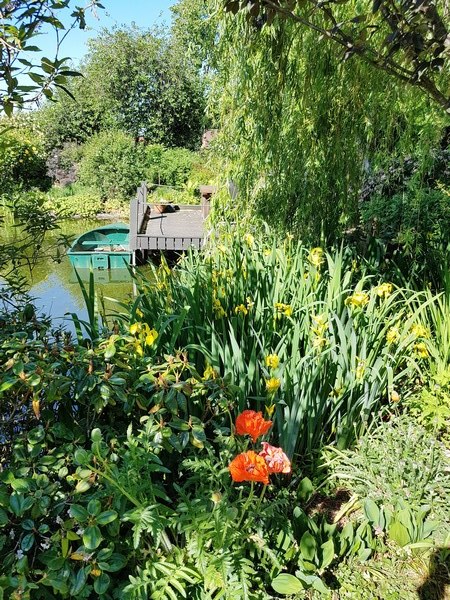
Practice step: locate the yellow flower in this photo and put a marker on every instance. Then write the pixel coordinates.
(95, 572)
(135, 328)
(249, 239)
(250, 303)
(393, 335)
(241, 309)
(357, 300)
(384, 290)
(139, 313)
(360, 368)
(267, 251)
(319, 342)
(395, 396)
(272, 361)
(321, 324)
(150, 336)
(315, 257)
(419, 330)
(269, 410)
(218, 309)
(285, 309)
(210, 373)
(421, 350)
(138, 348)
(272, 385)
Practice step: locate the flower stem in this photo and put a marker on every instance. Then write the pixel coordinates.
(247, 503)
(260, 499)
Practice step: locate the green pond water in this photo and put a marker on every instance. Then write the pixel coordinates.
(54, 285)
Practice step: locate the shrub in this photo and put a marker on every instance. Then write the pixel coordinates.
(74, 201)
(112, 164)
(410, 213)
(22, 162)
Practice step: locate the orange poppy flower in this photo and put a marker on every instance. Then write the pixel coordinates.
(252, 423)
(249, 466)
(276, 459)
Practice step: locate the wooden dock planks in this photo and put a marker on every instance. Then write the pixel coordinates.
(178, 230)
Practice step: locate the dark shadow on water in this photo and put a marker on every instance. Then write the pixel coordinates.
(437, 584)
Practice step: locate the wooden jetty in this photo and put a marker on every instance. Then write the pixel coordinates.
(179, 230)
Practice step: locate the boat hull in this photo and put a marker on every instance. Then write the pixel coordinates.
(104, 248)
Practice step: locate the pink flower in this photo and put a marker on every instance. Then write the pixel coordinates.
(276, 459)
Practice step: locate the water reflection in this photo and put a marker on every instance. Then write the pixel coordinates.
(55, 285)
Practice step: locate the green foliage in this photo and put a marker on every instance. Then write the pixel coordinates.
(170, 167)
(22, 161)
(76, 200)
(116, 449)
(18, 26)
(310, 125)
(247, 300)
(407, 208)
(398, 464)
(136, 81)
(112, 164)
(431, 405)
(394, 37)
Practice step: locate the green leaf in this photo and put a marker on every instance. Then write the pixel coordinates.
(116, 562)
(79, 513)
(287, 584)
(398, 533)
(308, 546)
(305, 489)
(372, 511)
(96, 435)
(108, 516)
(4, 520)
(81, 457)
(110, 350)
(79, 583)
(92, 537)
(27, 542)
(94, 507)
(82, 486)
(327, 553)
(101, 584)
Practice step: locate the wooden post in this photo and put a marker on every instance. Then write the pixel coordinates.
(206, 191)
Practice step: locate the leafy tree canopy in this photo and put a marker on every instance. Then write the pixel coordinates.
(409, 39)
(22, 80)
(136, 81)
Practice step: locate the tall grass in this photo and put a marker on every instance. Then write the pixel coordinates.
(328, 323)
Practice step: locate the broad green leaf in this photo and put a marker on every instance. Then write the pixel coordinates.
(308, 546)
(108, 516)
(287, 584)
(92, 537)
(327, 553)
(101, 583)
(398, 533)
(79, 513)
(372, 511)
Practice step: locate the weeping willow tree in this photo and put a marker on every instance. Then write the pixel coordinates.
(300, 128)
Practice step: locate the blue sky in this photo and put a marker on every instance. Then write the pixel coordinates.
(145, 13)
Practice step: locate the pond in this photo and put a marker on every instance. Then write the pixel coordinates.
(55, 285)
